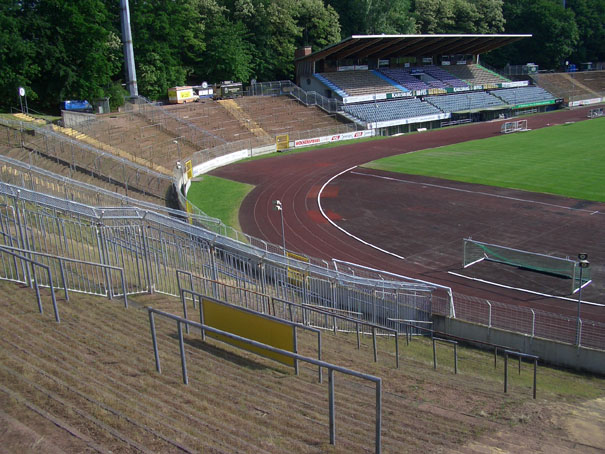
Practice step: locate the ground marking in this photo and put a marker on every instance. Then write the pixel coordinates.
(575, 300)
(340, 228)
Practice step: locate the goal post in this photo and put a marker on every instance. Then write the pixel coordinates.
(477, 251)
(514, 126)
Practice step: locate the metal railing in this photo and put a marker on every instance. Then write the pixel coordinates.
(76, 155)
(150, 247)
(201, 298)
(31, 271)
(295, 356)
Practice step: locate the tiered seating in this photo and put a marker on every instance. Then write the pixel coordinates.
(402, 76)
(284, 115)
(475, 74)
(356, 83)
(522, 95)
(434, 77)
(391, 110)
(209, 115)
(573, 85)
(51, 153)
(465, 101)
(594, 81)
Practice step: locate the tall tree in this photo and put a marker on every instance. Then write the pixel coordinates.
(18, 66)
(459, 16)
(358, 17)
(554, 30)
(168, 39)
(590, 18)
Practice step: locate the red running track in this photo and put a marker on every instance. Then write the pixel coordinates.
(296, 179)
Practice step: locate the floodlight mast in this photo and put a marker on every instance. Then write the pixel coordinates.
(131, 74)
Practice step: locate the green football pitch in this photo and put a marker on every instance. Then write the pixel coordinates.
(566, 160)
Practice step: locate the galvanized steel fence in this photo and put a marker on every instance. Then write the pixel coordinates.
(150, 247)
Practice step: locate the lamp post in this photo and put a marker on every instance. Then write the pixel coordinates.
(178, 148)
(278, 207)
(582, 263)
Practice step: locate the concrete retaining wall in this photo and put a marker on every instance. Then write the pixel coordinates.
(550, 352)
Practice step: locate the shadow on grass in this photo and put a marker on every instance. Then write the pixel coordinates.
(230, 356)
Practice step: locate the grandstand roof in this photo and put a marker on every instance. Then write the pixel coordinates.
(385, 46)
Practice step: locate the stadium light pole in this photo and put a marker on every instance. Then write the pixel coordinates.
(178, 148)
(278, 207)
(582, 263)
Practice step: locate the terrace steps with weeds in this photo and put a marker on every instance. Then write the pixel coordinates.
(86, 384)
(60, 168)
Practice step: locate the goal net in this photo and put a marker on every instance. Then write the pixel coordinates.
(513, 126)
(476, 251)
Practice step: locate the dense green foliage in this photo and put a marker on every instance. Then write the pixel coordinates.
(564, 160)
(62, 49)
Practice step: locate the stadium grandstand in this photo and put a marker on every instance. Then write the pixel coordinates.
(441, 77)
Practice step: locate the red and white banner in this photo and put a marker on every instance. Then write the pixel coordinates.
(333, 138)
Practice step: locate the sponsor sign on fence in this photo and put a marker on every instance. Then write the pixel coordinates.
(586, 102)
(333, 138)
(247, 324)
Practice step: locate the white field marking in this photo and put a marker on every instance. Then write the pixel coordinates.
(575, 300)
(475, 192)
(340, 228)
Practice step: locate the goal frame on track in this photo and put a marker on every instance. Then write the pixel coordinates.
(477, 251)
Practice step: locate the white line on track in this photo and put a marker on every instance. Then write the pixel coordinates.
(401, 180)
(340, 228)
(575, 300)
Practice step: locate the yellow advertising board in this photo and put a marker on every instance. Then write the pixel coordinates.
(189, 169)
(282, 142)
(251, 326)
(296, 277)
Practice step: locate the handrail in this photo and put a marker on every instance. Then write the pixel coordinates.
(83, 262)
(260, 314)
(519, 355)
(357, 322)
(331, 367)
(304, 307)
(50, 280)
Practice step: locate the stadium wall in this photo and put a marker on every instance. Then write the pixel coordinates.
(551, 352)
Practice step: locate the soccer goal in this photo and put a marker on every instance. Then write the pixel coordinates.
(513, 126)
(476, 251)
(595, 113)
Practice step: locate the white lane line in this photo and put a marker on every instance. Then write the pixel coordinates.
(575, 300)
(517, 199)
(340, 228)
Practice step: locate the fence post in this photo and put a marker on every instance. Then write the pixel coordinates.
(378, 415)
(505, 372)
(533, 322)
(434, 355)
(63, 279)
(455, 358)
(184, 303)
(182, 350)
(146, 258)
(156, 354)
(331, 406)
(374, 343)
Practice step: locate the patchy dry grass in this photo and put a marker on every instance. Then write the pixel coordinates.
(94, 374)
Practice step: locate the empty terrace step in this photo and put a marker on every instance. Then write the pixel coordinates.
(245, 120)
(109, 148)
(25, 117)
